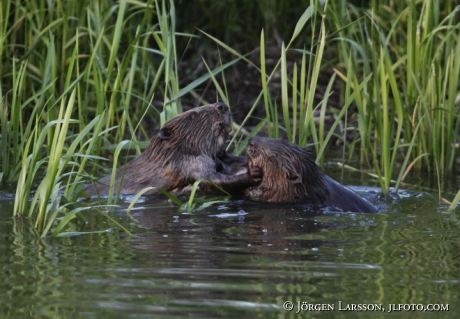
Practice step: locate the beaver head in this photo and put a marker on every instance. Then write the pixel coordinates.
(289, 174)
(202, 130)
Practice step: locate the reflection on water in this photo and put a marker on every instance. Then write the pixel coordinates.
(238, 260)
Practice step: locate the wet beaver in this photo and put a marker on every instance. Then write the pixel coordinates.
(183, 151)
(291, 176)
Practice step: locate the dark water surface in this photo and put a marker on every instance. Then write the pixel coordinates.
(238, 260)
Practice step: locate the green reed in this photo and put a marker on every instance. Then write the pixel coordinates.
(400, 78)
(405, 84)
(78, 77)
(298, 87)
(400, 85)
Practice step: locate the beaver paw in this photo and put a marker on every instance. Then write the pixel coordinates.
(256, 174)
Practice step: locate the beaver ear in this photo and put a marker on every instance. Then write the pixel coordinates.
(293, 177)
(307, 151)
(165, 133)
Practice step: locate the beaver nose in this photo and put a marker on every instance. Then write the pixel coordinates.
(221, 106)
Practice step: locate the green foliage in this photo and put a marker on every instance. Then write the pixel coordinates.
(400, 78)
(193, 203)
(79, 76)
(405, 82)
(455, 202)
(75, 77)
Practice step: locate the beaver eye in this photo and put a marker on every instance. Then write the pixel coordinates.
(224, 130)
(221, 106)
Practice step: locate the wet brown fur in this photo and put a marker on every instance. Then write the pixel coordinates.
(183, 151)
(291, 176)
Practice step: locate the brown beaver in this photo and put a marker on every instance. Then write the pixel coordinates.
(291, 176)
(183, 151)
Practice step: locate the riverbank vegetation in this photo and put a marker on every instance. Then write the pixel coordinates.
(80, 79)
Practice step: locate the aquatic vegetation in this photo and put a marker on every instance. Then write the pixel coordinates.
(79, 77)
(400, 85)
(75, 77)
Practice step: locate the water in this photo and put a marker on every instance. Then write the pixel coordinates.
(237, 260)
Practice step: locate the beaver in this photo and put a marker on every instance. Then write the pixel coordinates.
(183, 151)
(291, 176)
